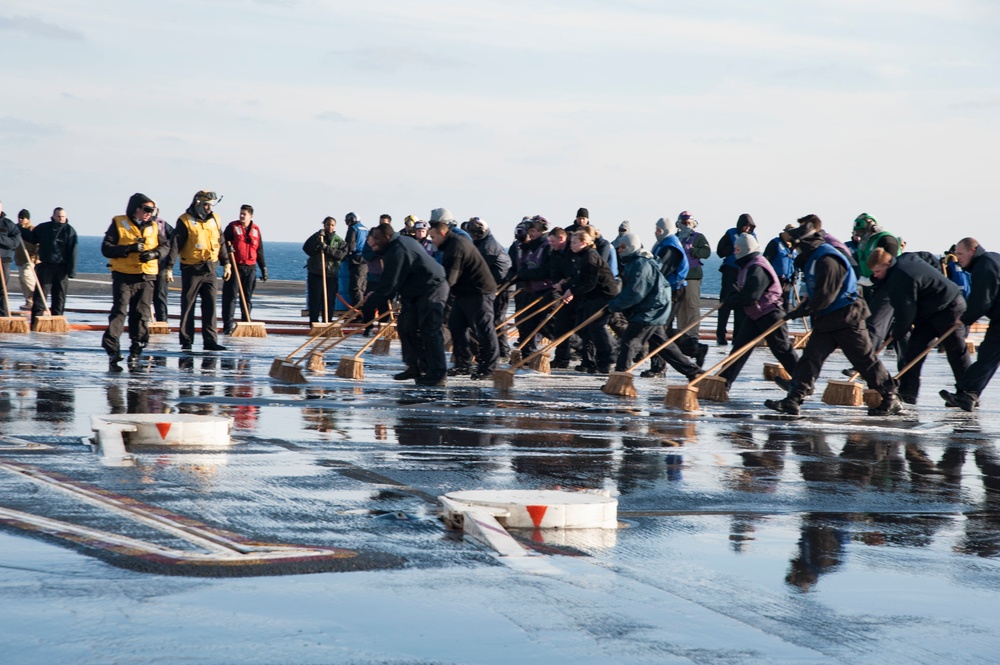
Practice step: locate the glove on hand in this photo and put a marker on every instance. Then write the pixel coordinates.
(263, 274)
(227, 272)
(148, 255)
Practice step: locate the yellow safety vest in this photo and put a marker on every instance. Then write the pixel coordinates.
(202, 241)
(130, 233)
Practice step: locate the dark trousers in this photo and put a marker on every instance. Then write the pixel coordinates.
(924, 331)
(314, 287)
(595, 336)
(53, 280)
(854, 342)
(500, 304)
(160, 291)
(420, 335)
(640, 336)
(4, 294)
(475, 313)
(979, 373)
(880, 319)
(722, 322)
(196, 284)
(131, 297)
(231, 294)
(780, 343)
(357, 282)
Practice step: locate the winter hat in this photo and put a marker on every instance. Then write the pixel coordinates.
(629, 244)
(477, 228)
(746, 245)
(540, 223)
(745, 220)
(663, 225)
(350, 218)
(24, 214)
(624, 227)
(441, 215)
(135, 201)
(583, 212)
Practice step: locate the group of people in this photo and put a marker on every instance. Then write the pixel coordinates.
(569, 284)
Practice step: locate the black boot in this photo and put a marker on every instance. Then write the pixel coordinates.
(787, 405)
(890, 406)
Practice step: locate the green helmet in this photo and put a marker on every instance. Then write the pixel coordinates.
(864, 221)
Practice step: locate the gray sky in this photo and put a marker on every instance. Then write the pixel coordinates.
(635, 109)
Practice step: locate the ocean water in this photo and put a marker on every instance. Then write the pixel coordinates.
(285, 260)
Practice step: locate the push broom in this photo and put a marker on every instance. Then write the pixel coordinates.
(848, 393)
(353, 367)
(503, 379)
(623, 383)
(316, 363)
(873, 398)
(284, 369)
(515, 354)
(775, 370)
(247, 328)
(46, 323)
(518, 314)
(383, 341)
(11, 324)
(686, 396)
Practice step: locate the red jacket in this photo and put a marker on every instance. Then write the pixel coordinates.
(246, 243)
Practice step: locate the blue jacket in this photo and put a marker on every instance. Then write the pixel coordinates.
(678, 277)
(848, 293)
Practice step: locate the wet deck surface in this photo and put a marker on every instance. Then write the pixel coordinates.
(835, 538)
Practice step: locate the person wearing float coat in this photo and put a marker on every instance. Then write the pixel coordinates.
(758, 292)
(838, 314)
(248, 253)
(134, 244)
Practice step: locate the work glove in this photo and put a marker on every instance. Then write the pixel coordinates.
(864, 281)
(227, 272)
(148, 255)
(169, 277)
(263, 274)
(793, 314)
(136, 247)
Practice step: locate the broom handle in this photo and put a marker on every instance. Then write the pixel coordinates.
(381, 331)
(680, 333)
(886, 343)
(3, 282)
(503, 287)
(798, 301)
(38, 284)
(923, 353)
(544, 321)
(320, 348)
(562, 338)
(326, 332)
(737, 353)
(239, 283)
(326, 296)
(518, 313)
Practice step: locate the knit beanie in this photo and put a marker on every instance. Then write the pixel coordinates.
(24, 214)
(746, 245)
(441, 215)
(583, 212)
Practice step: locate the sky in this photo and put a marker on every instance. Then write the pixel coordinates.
(634, 109)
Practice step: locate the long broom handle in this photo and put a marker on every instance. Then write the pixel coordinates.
(331, 342)
(503, 287)
(325, 333)
(923, 353)
(38, 284)
(885, 344)
(239, 283)
(798, 301)
(326, 296)
(544, 321)
(3, 282)
(518, 313)
(562, 338)
(680, 333)
(737, 353)
(383, 330)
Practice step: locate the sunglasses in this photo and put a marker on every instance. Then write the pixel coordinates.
(149, 209)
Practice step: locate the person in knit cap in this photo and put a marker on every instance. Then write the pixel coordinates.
(838, 315)
(729, 270)
(758, 293)
(644, 301)
(582, 220)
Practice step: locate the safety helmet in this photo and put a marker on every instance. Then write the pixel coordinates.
(206, 196)
(864, 221)
(477, 228)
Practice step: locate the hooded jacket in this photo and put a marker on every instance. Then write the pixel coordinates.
(495, 256)
(645, 295)
(10, 237)
(984, 299)
(123, 232)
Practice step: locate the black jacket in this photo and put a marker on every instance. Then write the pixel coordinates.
(57, 244)
(465, 268)
(756, 282)
(321, 246)
(830, 276)
(496, 258)
(409, 271)
(916, 291)
(562, 264)
(593, 280)
(542, 271)
(10, 237)
(984, 300)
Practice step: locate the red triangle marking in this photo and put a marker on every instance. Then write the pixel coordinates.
(536, 513)
(164, 428)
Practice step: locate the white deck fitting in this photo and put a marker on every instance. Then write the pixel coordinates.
(164, 429)
(486, 514)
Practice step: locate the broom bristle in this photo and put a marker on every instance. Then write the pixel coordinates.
(799, 340)
(51, 324)
(381, 347)
(503, 379)
(286, 371)
(515, 356)
(714, 389)
(872, 398)
(682, 397)
(621, 384)
(14, 324)
(541, 364)
(971, 346)
(351, 368)
(315, 363)
(249, 329)
(159, 328)
(843, 393)
(328, 329)
(773, 370)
